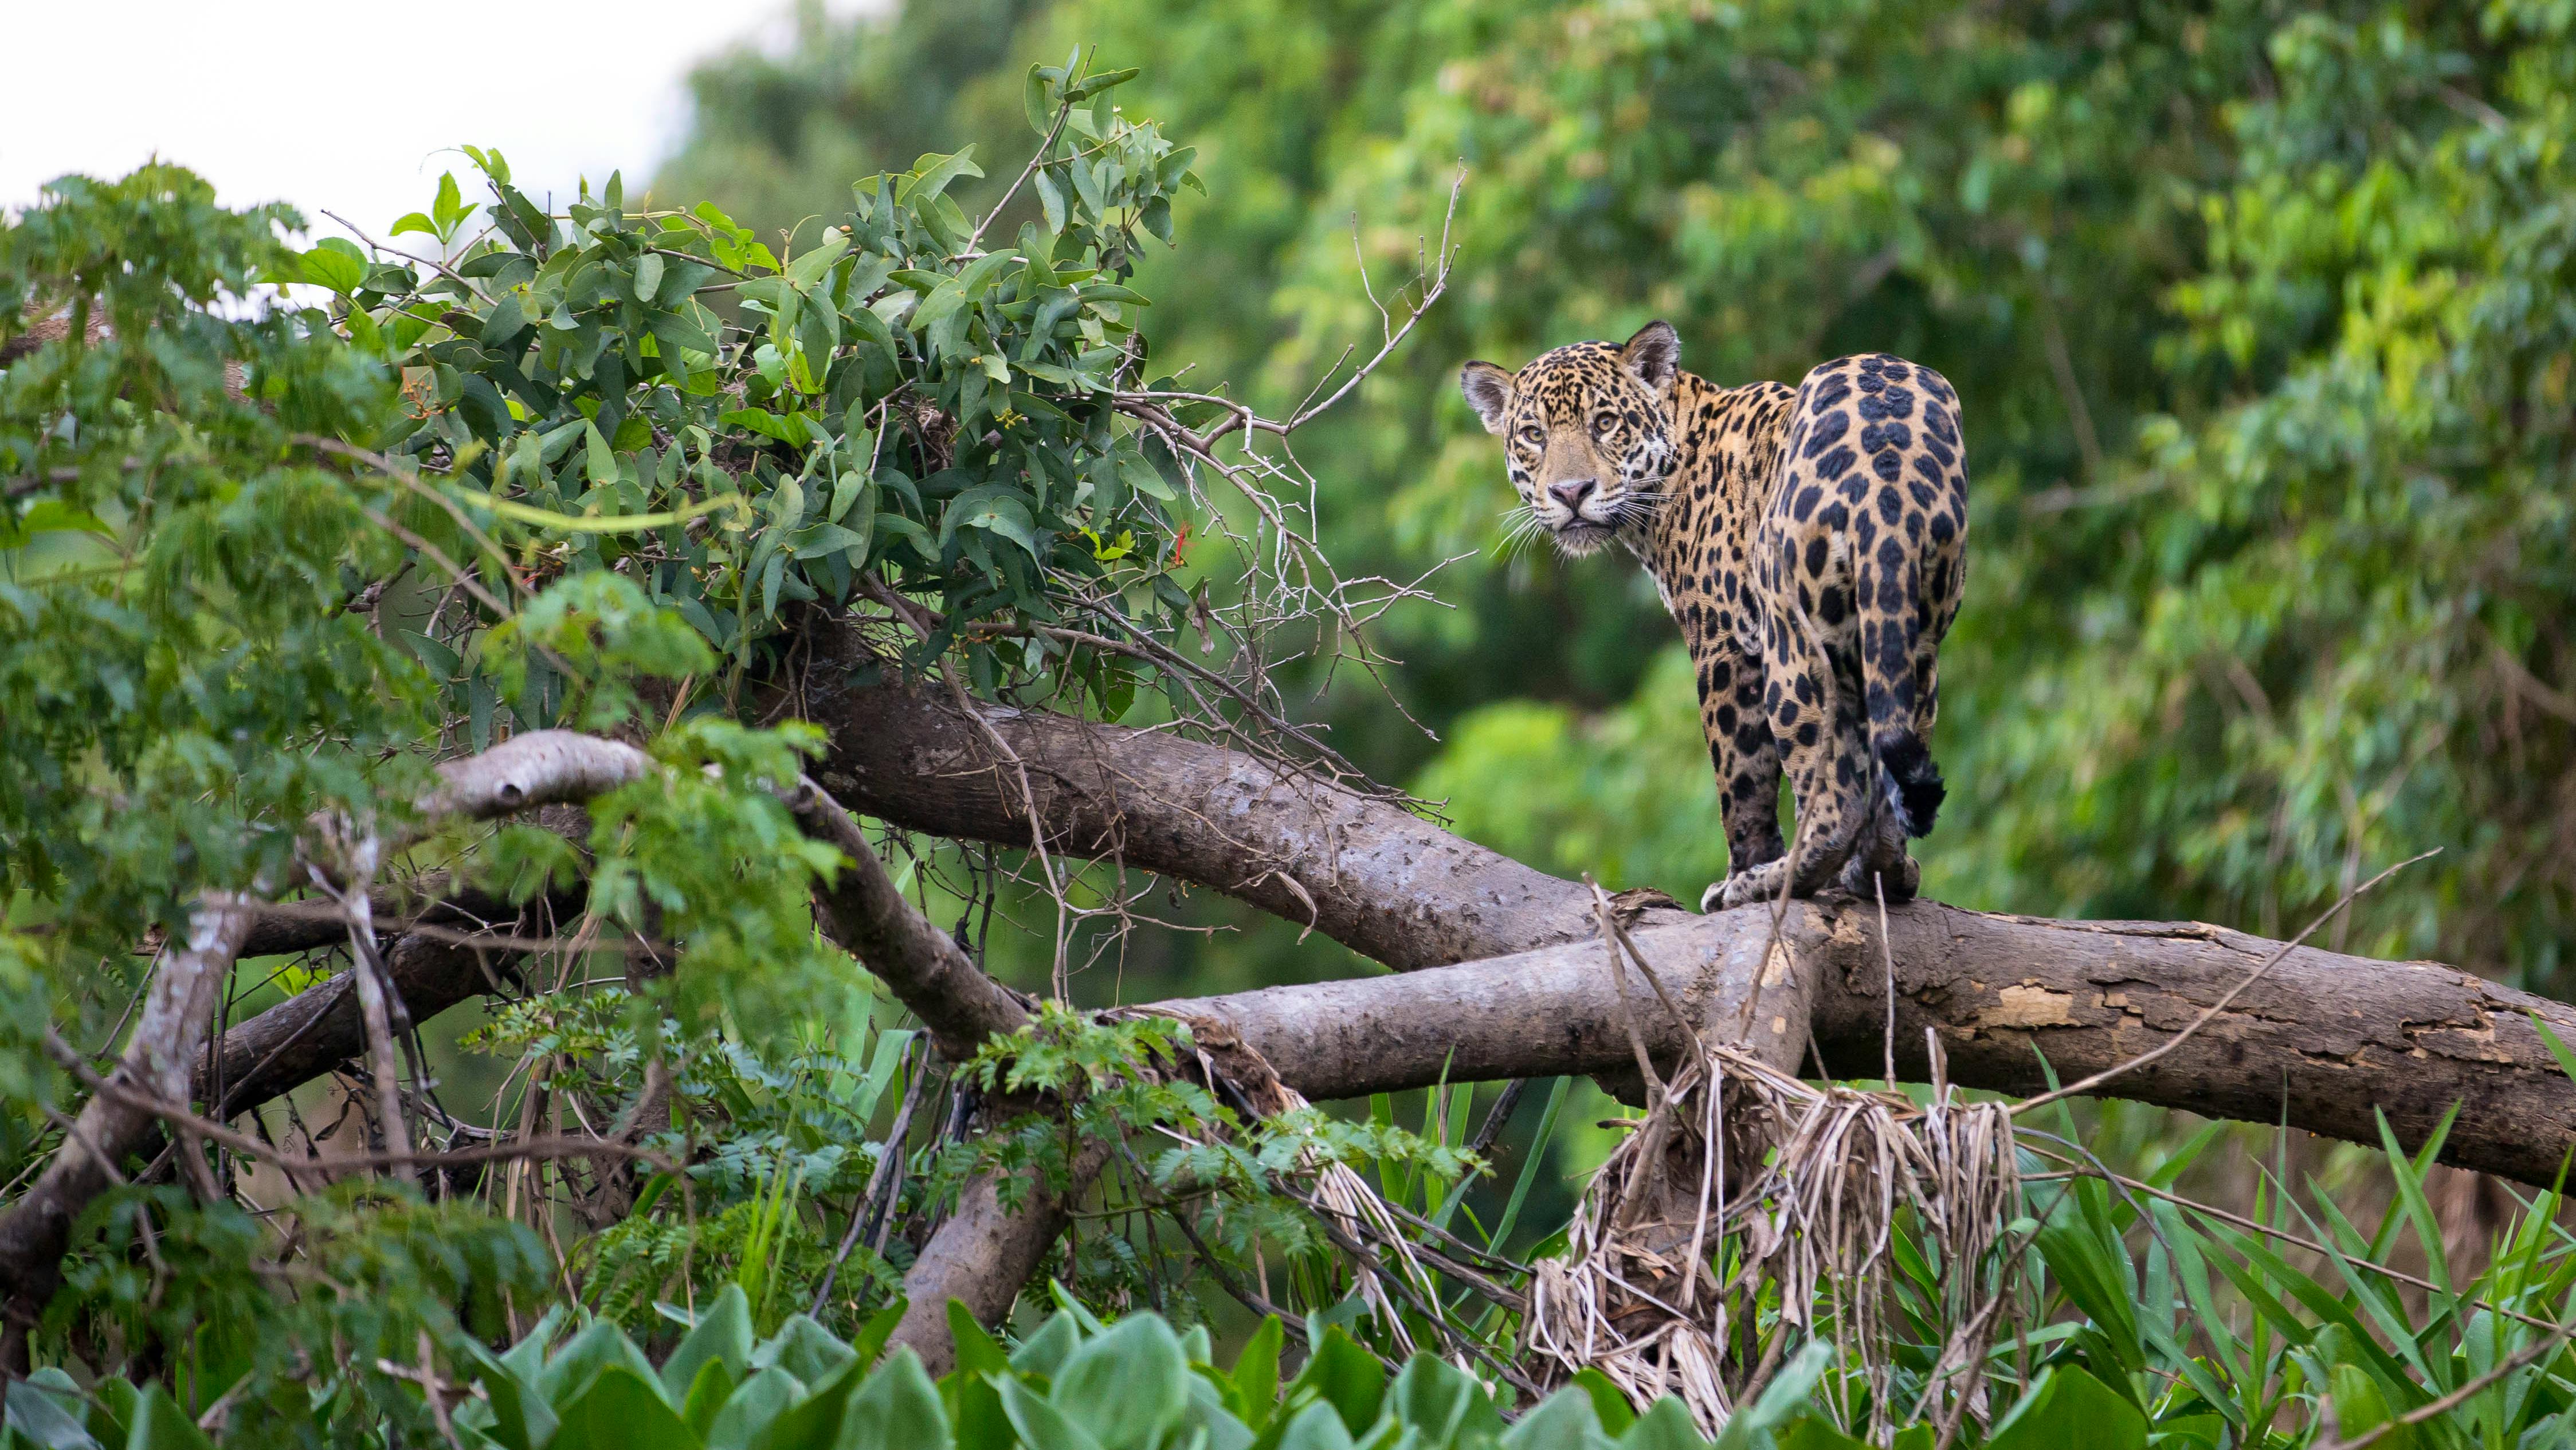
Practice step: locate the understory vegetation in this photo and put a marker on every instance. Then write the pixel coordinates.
(1140, 409)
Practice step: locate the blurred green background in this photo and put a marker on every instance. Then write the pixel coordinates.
(2261, 315)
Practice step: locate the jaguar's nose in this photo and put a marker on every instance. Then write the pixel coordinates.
(1572, 493)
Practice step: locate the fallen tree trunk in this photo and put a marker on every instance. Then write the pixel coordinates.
(1364, 871)
(2322, 1042)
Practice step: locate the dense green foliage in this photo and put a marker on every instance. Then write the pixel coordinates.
(2259, 312)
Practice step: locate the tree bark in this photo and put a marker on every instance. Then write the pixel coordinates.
(1369, 874)
(168, 1038)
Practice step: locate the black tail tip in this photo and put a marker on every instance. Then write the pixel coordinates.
(1914, 787)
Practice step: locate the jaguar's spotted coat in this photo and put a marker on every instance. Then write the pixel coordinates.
(1812, 545)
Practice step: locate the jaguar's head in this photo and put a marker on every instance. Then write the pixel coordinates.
(1587, 432)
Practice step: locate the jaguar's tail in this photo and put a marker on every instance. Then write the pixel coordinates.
(1914, 788)
(1894, 675)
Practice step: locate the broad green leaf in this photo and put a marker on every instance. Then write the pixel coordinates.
(1044, 1426)
(1316, 1427)
(897, 1408)
(2064, 1407)
(753, 1408)
(722, 1334)
(1346, 1376)
(622, 1410)
(157, 1423)
(1044, 1352)
(336, 264)
(1609, 1405)
(932, 174)
(1126, 1386)
(1563, 1421)
(44, 1416)
(1256, 1372)
(1037, 100)
(587, 1355)
(1667, 1426)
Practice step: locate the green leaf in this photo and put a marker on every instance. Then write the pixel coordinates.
(722, 1334)
(1143, 477)
(1044, 1426)
(622, 1410)
(521, 1417)
(932, 174)
(1051, 199)
(1563, 1421)
(2065, 1407)
(753, 1408)
(1608, 1402)
(1667, 1426)
(36, 1415)
(1037, 100)
(648, 277)
(1127, 1386)
(1256, 1372)
(1316, 1427)
(808, 266)
(585, 1356)
(601, 459)
(506, 320)
(336, 264)
(1346, 1376)
(898, 1407)
(815, 1420)
(713, 1385)
(981, 272)
(1044, 1352)
(2557, 1049)
(157, 1423)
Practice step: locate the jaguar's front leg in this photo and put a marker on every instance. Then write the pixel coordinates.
(1741, 750)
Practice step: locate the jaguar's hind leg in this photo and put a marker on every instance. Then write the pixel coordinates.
(1824, 740)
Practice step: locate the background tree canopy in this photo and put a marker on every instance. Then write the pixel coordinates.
(2260, 312)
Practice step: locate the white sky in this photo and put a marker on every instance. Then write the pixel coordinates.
(353, 106)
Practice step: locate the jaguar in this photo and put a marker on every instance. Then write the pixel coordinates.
(1810, 542)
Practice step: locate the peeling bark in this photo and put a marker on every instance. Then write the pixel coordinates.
(2323, 1042)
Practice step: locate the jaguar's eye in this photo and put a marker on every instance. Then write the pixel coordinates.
(1534, 436)
(1602, 424)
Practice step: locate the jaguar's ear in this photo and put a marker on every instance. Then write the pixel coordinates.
(1654, 355)
(1489, 392)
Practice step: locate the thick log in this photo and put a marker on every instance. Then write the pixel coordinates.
(2321, 1042)
(1369, 874)
(1541, 1013)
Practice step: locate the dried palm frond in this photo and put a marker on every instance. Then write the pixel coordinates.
(1753, 1211)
